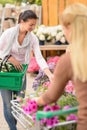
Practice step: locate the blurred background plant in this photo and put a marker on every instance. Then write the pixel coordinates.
(3, 2)
(38, 2)
(50, 35)
(18, 2)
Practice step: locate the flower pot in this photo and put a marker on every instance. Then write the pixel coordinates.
(58, 43)
(41, 42)
(48, 40)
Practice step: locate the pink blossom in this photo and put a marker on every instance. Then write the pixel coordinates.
(26, 109)
(34, 117)
(27, 99)
(55, 120)
(47, 108)
(32, 105)
(22, 92)
(69, 87)
(71, 117)
(19, 99)
(53, 59)
(43, 121)
(66, 107)
(51, 108)
(33, 66)
(50, 122)
(55, 108)
(46, 84)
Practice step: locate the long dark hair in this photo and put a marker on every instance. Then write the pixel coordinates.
(27, 14)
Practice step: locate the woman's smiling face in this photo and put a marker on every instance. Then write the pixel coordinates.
(29, 25)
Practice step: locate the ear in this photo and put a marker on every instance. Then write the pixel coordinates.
(21, 21)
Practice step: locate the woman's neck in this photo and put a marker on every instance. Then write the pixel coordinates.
(22, 31)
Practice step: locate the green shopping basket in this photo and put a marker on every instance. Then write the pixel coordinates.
(12, 80)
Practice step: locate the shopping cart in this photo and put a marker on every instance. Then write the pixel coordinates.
(27, 122)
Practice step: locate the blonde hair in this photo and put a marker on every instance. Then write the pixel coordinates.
(75, 15)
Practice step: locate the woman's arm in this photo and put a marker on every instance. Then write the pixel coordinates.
(5, 43)
(61, 77)
(49, 74)
(40, 60)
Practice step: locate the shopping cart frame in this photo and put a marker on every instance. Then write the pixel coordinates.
(19, 114)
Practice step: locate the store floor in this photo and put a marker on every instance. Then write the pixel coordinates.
(3, 124)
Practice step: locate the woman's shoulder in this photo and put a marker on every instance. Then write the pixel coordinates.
(10, 30)
(66, 56)
(64, 65)
(34, 37)
(65, 60)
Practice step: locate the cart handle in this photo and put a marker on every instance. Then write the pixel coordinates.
(49, 114)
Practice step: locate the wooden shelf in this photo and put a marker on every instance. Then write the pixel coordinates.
(53, 47)
(49, 50)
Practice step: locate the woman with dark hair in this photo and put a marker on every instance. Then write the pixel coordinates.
(18, 42)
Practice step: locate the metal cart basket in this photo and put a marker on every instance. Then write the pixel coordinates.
(27, 122)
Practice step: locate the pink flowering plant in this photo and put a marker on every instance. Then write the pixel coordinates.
(30, 107)
(66, 101)
(41, 79)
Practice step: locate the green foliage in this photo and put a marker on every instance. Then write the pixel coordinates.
(31, 1)
(70, 126)
(67, 99)
(38, 2)
(3, 2)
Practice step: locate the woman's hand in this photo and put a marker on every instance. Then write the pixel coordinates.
(16, 63)
(49, 74)
(39, 101)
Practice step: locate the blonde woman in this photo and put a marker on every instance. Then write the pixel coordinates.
(72, 65)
